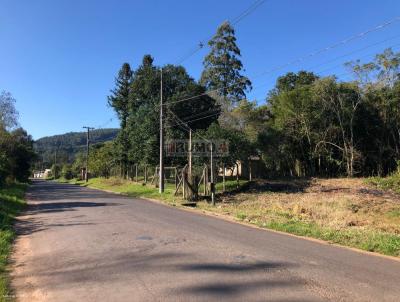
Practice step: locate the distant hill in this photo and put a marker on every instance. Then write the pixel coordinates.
(66, 146)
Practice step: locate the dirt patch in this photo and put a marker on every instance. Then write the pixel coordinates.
(24, 284)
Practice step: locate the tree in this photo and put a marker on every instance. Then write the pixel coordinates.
(102, 159)
(56, 171)
(240, 148)
(222, 67)
(289, 141)
(21, 154)
(66, 171)
(143, 122)
(119, 100)
(8, 113)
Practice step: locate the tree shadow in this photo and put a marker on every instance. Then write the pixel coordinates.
(216, 280)
(51, 207)
(236, 267)
(45, 191)
(223, 290)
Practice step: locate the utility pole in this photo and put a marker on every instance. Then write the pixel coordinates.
(161, 172)
(190, 155)
(87, 151)
(55, 172)
(212, 176)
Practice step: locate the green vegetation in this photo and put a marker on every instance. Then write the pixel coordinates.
(126, 187)
(390, 182)
(344, 217)
(309, 126)
(11, 203)
(16, 146)
(65, 147)
(134, 189)
(222, 67)
(341, 213)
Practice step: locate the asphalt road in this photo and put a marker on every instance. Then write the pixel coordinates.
(79, 244)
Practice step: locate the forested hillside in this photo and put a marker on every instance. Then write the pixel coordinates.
(63, 148)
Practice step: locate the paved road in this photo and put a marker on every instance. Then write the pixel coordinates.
(79, 244)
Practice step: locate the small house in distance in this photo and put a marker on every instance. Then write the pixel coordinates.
(250, 169)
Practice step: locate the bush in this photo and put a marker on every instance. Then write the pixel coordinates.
(55, 171)
(66, 172)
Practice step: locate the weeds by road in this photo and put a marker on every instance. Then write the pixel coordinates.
(11, 203)
(346, 211)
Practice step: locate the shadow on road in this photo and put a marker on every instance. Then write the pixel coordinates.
(49, 197)
(45, 191)
(195, 279)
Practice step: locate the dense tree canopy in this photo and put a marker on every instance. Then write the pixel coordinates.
(309, 125)
(16, 146)
(321, 126)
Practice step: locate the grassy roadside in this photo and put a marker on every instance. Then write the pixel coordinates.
(129, 188)
(11, 203)
(134, 189)
(343, 211)
(388, 183)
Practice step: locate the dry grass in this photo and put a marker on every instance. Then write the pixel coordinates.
(347, 211)
(350, 212)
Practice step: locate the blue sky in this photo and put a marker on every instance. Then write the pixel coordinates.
(59, 57)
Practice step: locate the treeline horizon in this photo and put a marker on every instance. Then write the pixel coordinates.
(309, 125)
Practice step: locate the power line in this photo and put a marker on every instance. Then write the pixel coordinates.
(247, 12)
(216, 110)
(342, 56)
(369, 54)
(355, 51)
(197, 119)
(310, 55)
(106, 123)
(317, 72)
(234, 21)
(340, 43)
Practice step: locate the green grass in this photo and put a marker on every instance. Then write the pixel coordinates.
(134, 189)
(277, 219)
(11, 203)
(384, 243)
(129, 188)
(391, 182)
(364, 238)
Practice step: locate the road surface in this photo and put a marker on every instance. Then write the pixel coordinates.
(80, 244)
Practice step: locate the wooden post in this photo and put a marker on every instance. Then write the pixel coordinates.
(223, 177)
(237, 176)
(249, 169)
(190, 156)
(205, 180)
(136, 172)
(176, 178)
(212, 175)
(183, 182)
(145, 174)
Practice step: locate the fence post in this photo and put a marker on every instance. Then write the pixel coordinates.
(223, 177)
